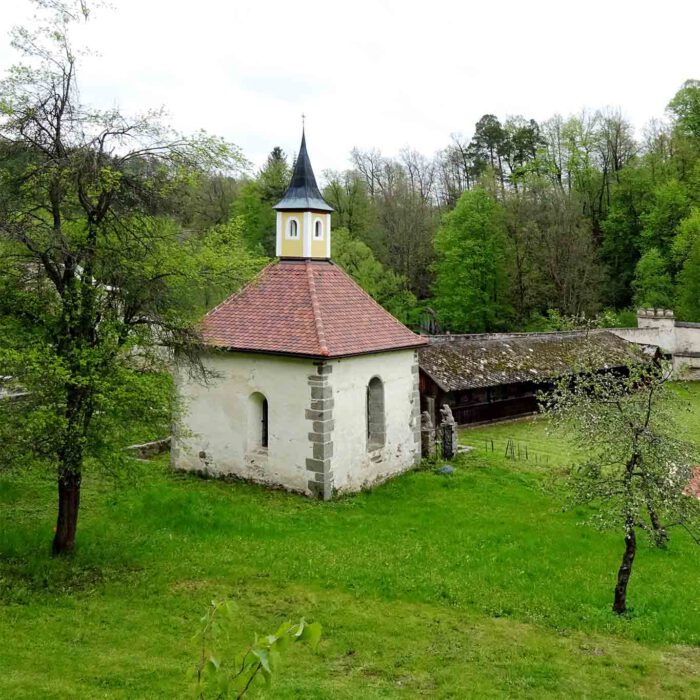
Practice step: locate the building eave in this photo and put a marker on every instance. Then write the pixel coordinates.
(306, 356)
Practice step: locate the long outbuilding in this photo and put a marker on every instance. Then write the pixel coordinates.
(489, 377)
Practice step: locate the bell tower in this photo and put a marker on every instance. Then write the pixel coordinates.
(303, 216)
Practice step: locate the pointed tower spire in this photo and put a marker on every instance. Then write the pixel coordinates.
(303, 192)
(303, 216)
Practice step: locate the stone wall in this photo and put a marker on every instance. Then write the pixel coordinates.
(680, 340)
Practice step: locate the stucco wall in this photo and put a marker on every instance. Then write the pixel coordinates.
(317, 423)
(223, 421)
(687, 339)
(687, 366)
(663, 337)
(681, 340)
(353, 465)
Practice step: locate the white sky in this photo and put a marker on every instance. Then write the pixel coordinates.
(379, 74)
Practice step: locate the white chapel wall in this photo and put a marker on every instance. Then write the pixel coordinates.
(354, 467)
(221, 422)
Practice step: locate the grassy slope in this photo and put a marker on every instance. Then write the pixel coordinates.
(473, 585)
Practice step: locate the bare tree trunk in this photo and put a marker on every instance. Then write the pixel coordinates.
(625, 571)
(68, 505)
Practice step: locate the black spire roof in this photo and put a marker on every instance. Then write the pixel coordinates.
(303, 192)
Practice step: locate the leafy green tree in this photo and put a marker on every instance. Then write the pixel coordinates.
(385, 286)
(688, 287)
(662, 220)
(621, 240)
(347, 193)
(637, 468)
(256, 198)
(274, 176)
(688, 233)
(96, 281)
(685, 107)
(257, 217)
(521, 144)
(471, 282)
(652, 283)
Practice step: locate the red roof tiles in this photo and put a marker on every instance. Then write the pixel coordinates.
(694, 485)
(309, 308)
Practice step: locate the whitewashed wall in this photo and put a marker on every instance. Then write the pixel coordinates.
(673, 339)
(663, 337)
(224, 425)
(353, 466)
(221, 423)
(682, 341)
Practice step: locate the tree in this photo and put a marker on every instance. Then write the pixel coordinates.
(637, 469)
(470, 285)
(688, 288)
(622, 232)
(274, 176)
(688, 233)
(685, 107)
(347, 193)
(258, 217)
(97, 279)
(205, 203)
(256, 198)
(385, 286)
(564, 253)
(521, 144)
(652, 283)
(661, 221)
(401, 194)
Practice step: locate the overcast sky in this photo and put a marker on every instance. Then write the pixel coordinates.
(378, 74)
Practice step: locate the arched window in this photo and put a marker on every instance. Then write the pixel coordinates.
(376, 430)
(258, 423)
(293, 228)
(263, 425)
(318, 229)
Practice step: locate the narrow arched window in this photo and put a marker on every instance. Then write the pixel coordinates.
(263, 425)
(258, 422)
(376, 430)
(293, 228)
(318, 229)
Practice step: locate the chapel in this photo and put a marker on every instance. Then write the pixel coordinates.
(316, 385)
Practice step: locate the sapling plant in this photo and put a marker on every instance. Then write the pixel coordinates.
(220, 674)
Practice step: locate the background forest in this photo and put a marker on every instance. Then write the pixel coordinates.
(520, 226)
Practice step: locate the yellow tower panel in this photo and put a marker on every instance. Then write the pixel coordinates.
(319, 242)
(292, 234)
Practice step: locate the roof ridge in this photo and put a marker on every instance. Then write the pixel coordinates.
(318, 320)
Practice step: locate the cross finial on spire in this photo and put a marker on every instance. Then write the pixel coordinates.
(303, 121)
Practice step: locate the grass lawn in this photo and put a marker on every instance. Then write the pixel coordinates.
(474, 585)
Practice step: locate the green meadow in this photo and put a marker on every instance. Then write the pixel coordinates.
(478, 584)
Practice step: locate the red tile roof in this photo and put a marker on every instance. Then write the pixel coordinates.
(308, 308)
(694, 485)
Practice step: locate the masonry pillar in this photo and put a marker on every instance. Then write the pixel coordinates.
(415, 407)
(320, 413)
